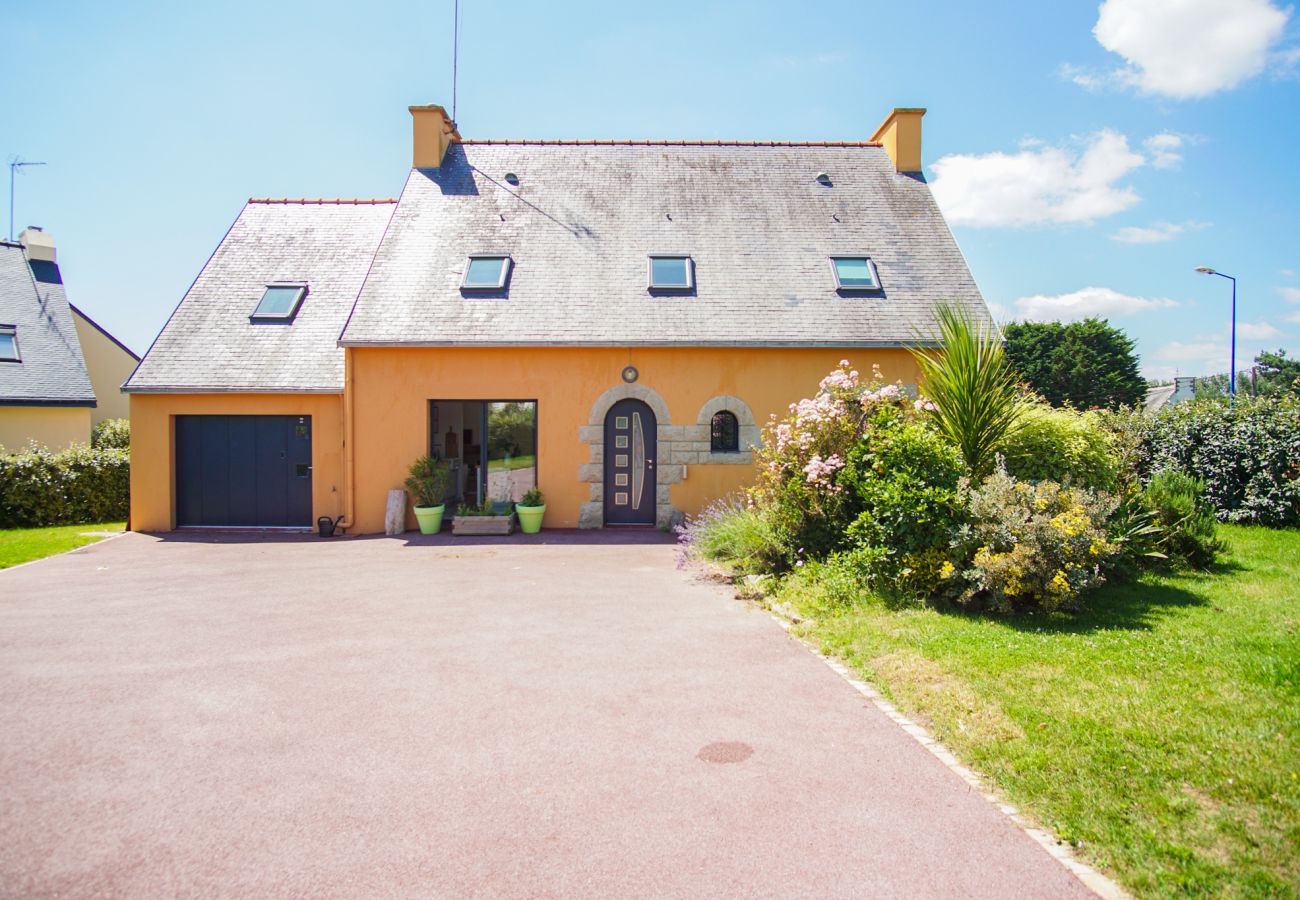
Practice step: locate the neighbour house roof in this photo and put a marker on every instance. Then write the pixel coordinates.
(52, 370)
(210, 344)
(578, 219)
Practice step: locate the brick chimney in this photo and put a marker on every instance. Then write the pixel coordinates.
(38, 244)
(433, 131)
(900, 134)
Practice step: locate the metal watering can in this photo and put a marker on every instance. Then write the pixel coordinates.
(325, 525)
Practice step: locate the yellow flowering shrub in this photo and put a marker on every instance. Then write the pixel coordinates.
(1038, 544)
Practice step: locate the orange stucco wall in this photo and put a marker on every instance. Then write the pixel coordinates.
(391, 388)
(153, 497)
(54, 427)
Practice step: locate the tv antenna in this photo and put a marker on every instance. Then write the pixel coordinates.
(14, 164)
(455, 57)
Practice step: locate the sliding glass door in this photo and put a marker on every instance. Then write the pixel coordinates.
(491, 444)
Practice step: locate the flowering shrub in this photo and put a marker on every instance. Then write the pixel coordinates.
(732, 530)
(1033, 544)
(813, 462)
(38, 487)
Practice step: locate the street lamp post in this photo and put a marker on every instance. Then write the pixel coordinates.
(1232, 371)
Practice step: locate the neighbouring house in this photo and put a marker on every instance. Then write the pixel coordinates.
(60, 373)
(613, 321)
(1183, 388)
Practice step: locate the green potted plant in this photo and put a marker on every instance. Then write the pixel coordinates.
(487, 518)
(427, 483)
(530, 510)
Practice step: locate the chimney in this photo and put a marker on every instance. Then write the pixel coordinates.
(38, 244)
(433, 131)
(900, 134)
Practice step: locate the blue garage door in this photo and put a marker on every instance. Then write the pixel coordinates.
(250, 471)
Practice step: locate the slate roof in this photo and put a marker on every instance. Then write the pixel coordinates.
(583, 217)
(209, 344)
(52, 371)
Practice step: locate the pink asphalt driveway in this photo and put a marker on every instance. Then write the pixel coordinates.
(378, 717)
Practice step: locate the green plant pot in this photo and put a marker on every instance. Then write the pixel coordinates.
(530, 518)
(430, 518)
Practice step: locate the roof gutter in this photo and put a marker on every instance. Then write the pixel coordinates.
(898, 345)
(192, 389)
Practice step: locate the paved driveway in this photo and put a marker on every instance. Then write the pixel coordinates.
(373, 717)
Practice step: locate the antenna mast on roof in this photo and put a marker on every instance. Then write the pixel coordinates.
(14, 164)
(455, 57)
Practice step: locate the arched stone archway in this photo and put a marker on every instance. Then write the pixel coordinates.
(592, 513)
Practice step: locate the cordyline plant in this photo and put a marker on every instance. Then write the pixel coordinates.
(976, 400)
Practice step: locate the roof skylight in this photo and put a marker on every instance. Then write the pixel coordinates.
(854, 273)
(9, 344)
(670, 272)
(280, 303)
(486, 272)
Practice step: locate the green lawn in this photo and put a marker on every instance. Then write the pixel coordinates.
(516, 462)
(20, 545)
(1159, 732)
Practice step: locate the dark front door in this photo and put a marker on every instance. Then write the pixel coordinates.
(630, 432)
(251, 471)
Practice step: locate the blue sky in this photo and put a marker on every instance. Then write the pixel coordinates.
(1088, 157)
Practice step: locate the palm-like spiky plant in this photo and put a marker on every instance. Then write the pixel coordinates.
(976, 398)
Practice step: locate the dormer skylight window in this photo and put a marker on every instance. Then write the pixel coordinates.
(485, 272)
(854, 273)
(9, 344)
(671, 272)
(280, 303)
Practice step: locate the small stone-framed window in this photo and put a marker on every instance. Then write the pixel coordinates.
(724, 433)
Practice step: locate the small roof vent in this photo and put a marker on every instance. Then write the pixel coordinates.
(512, 178)
(823, 178)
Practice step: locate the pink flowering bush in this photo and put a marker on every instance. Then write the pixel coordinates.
(844, 456)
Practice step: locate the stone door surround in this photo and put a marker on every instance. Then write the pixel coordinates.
(680, 446)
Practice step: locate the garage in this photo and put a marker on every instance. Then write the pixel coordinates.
(243, 471)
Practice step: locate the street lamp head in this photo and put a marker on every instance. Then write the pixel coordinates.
(1206, 270)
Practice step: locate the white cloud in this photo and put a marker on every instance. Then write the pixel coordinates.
(1158, 233)
(1294, 317)
(1164, 149)
(1194, 351)
(1257, 331)
(1289, 294)
(1287, 273)
(1038, 185)
(1190, 48)
(1090, 301)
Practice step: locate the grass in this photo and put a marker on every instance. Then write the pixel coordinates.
(20, 545)
(516, 462)
(1159, 732)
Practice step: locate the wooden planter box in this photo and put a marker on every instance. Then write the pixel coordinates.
(483, 524)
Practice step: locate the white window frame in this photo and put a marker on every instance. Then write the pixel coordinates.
(650, 272)
(12, 331)
(507, 264)
(285, 317)
(871, 265)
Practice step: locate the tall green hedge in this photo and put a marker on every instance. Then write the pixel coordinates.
(1247, 456)
(81, 484)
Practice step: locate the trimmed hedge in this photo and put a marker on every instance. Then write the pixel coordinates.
(78, 485)
(1248, 457)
